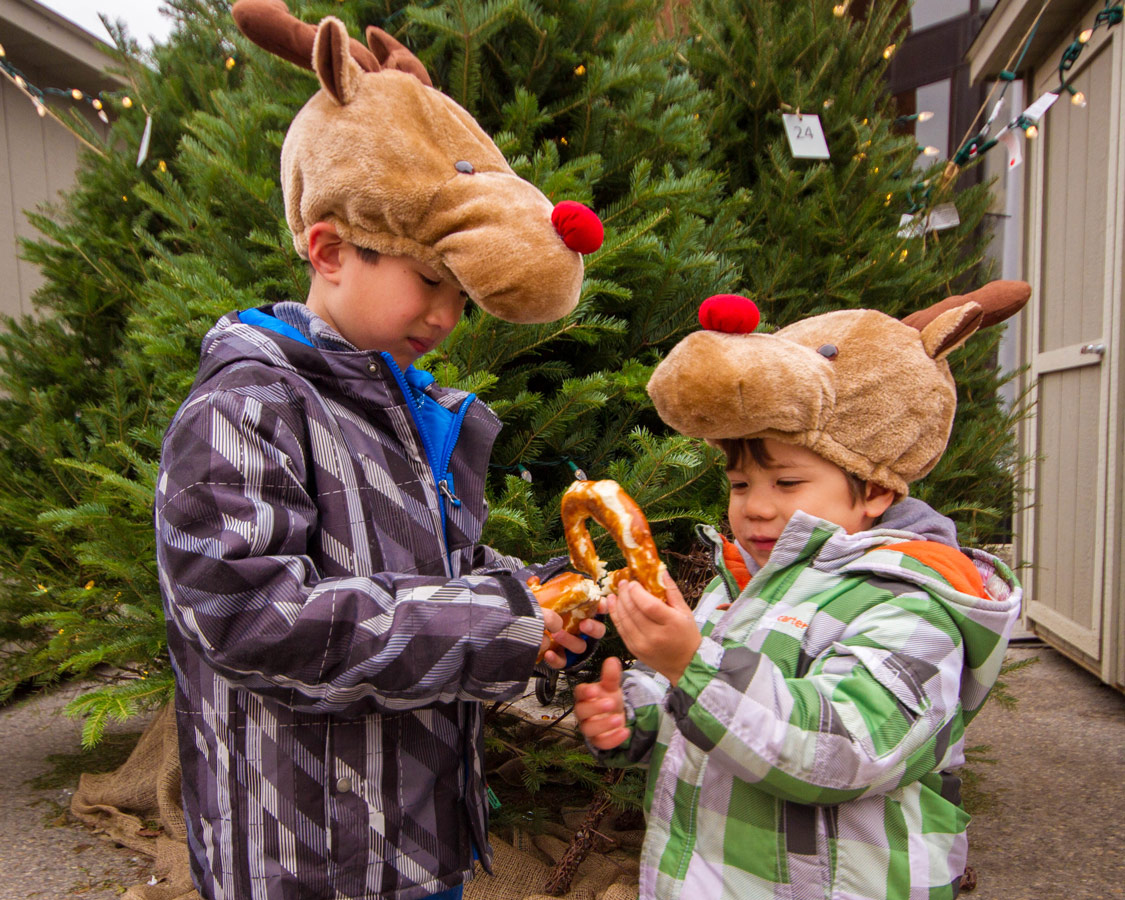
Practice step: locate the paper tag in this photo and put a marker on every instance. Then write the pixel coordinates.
(1040, 106)
(910, 225)
(1011, 140)
(941, 217)
(806, 137)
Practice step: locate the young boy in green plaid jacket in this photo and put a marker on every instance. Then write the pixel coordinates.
(802, 724)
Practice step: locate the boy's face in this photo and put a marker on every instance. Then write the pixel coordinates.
(395, 304)
(763, 499)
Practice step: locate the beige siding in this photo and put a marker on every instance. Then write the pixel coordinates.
(37, 161)
(1072, 536)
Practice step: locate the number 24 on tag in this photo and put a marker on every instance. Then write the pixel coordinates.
(806, 136)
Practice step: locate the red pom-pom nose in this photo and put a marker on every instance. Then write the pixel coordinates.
(730, 313)
(578, 226)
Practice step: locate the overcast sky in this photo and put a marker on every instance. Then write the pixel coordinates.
(141, 16)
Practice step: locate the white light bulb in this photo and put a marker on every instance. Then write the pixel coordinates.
(1032, 132)
(1085, 35)
(925, 116)
(1078, 99)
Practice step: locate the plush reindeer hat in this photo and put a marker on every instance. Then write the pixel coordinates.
(870, 393)
(400, 168)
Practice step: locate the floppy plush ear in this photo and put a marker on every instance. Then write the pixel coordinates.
(951, 329)
(393, 55)
(339, 74)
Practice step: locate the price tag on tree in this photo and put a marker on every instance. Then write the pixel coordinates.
(806, 137)
(941, 217)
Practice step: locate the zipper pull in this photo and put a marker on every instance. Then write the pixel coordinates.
(447, 492)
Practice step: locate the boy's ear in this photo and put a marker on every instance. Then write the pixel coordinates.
(325, 249)
(877, 499)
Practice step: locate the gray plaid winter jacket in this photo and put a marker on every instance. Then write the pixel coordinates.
(332, 621)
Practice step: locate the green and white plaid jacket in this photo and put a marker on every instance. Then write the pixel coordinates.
(806, 752)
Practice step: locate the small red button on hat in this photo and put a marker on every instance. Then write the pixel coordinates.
(578, 226)
(730, 313)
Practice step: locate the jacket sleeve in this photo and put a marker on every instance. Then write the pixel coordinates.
(234, 522)
(877, 710)
(487, 561)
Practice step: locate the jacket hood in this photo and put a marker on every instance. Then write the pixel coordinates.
(921, 520)
(232, 341)
(297, 341)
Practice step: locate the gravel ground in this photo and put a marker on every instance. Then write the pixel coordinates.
(1054, 801)
(1051, 826)
(44, 853)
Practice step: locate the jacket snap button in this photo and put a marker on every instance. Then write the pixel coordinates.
(372, 367)
(344, 785)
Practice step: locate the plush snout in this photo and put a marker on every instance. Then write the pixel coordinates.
(714, 385)
(493, 232)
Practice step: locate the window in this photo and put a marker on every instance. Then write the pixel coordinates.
(933, 98)
(924, 13)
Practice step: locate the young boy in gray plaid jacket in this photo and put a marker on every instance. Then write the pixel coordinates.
(802, 725)
(334, 623)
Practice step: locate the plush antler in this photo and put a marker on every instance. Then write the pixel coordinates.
(944, 331)
(270, 25)
(393, 55)
(998, 299)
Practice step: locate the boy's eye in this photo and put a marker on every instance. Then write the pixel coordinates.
(432, 282)
(788, 482)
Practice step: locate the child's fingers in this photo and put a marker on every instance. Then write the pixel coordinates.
(572, 642)
(611, 675)
(607, 740)
(552, 621)
(594, 723)
(675, 595)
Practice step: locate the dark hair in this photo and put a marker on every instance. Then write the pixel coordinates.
(368, 255)
(737, 449)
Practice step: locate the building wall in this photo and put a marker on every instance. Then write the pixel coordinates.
(38, 155)
(38, 158)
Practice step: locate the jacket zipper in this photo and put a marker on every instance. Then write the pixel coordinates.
(443, 481)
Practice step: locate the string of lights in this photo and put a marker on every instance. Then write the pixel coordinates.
(1027, 121)
(524, 472)
(39, 96)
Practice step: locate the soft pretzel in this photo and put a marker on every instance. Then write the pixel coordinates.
(607, 504)
(574, 596)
